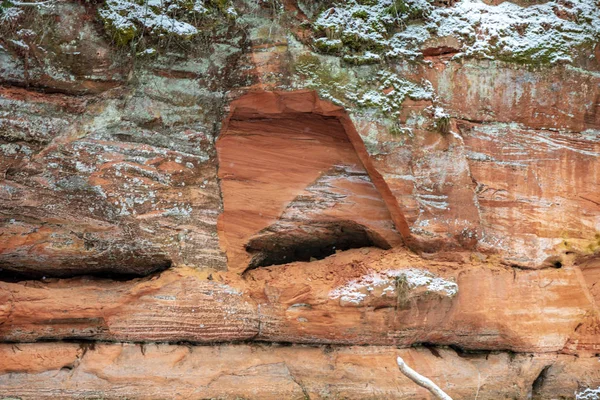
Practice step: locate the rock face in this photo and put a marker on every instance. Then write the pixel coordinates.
(293, 185)
(59, 49)
(245, 213)
(274, 372)
(363, 296)
(96, 196)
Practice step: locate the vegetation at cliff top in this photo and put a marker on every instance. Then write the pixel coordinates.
(9, 13)
(126, 19)
(367, 31)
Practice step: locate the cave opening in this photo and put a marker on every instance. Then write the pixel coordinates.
(298, 184)
(10, 275)
(310, 242)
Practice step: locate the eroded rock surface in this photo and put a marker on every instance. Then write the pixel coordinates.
(274, 372)
(247, 183)
(292, 181)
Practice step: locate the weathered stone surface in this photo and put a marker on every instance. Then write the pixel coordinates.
(292, 181)
(518, 163)
(585, 338)
(109, 170)
(300, 303)
(568, 377)
(120, 186)
(63, 370)
(360, 296)
(59, 48)
(172, 306)
(494, 91)
(527, 195)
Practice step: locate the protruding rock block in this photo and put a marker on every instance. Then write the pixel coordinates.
(360, 296)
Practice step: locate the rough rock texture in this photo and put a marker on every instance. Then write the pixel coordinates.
(274, 372)
(350, 298)
(102, 194)
(200, 201)
(292, 180)
(59, 49)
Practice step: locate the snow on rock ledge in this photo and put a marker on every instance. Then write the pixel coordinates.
(588, 394)
(399, 285)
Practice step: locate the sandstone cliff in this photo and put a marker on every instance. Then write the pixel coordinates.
(274, 199)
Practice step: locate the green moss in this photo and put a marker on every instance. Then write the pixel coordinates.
(120, 36)
(364, 26)
(410, 12)
(395, 129)
(328, 45)
(362, 14)
(321, 77)
(362, 59)
(5, 4)
(225, 7)
(124, 22)
(367, 91)
(355, 42)
(541, 55)
(442, 124)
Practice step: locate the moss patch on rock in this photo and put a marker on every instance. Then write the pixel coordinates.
(126, 20)
(364, 90)
(368, 31)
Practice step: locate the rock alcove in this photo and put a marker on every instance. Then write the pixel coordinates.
(296, 183)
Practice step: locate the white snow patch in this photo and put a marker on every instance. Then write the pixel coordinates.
(157, 16)
(588, 394)
(508, 30)
(81, 167)
(383, 284)
(11, 15)
(538, 33)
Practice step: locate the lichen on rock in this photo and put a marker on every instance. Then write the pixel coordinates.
(369, 31)
(369, 89)
(125, 19)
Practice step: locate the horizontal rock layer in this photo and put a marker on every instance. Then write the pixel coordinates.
(113, 176)
(70, 370)
(361, 296)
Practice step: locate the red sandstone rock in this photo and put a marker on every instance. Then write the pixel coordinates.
(63, 370)
(349, 298)
(489, 91)
(288, 171)
(59, 49)
(126, 182)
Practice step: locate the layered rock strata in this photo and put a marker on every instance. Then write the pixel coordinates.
(361, 296)
(60, 371)
(238, 215)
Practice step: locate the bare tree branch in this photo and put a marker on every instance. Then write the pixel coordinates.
(421, 380)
